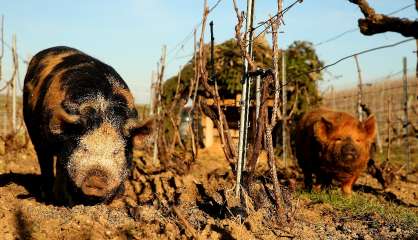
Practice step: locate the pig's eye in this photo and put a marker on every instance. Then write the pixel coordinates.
(116, 152)
(358, 140)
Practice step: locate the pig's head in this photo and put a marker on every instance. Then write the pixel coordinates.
(346, 141)
(98, 154)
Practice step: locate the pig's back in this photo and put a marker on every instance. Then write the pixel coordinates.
(62, 73)
(61, 79)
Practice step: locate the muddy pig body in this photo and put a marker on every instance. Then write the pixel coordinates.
(79, 111)
(333, 146)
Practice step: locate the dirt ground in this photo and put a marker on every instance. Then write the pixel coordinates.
(197, 203)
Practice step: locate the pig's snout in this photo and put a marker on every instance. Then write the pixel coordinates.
(95, 184)
(350, 152)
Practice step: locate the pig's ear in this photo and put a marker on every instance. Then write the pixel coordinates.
(138, 129)
(143, 133)
(322, 129)
(60, 117)
(369, 126)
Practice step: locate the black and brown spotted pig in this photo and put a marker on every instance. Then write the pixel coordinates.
(80, 111)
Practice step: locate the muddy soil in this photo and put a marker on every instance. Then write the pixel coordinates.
(196, 202)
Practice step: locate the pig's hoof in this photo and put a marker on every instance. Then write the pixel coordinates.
(347, 192)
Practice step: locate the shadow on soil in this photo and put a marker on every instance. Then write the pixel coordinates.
(31, 182)
(23, 228)
(388, 196)
(217, 210)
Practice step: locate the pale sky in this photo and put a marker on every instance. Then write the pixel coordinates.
(129, 34)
